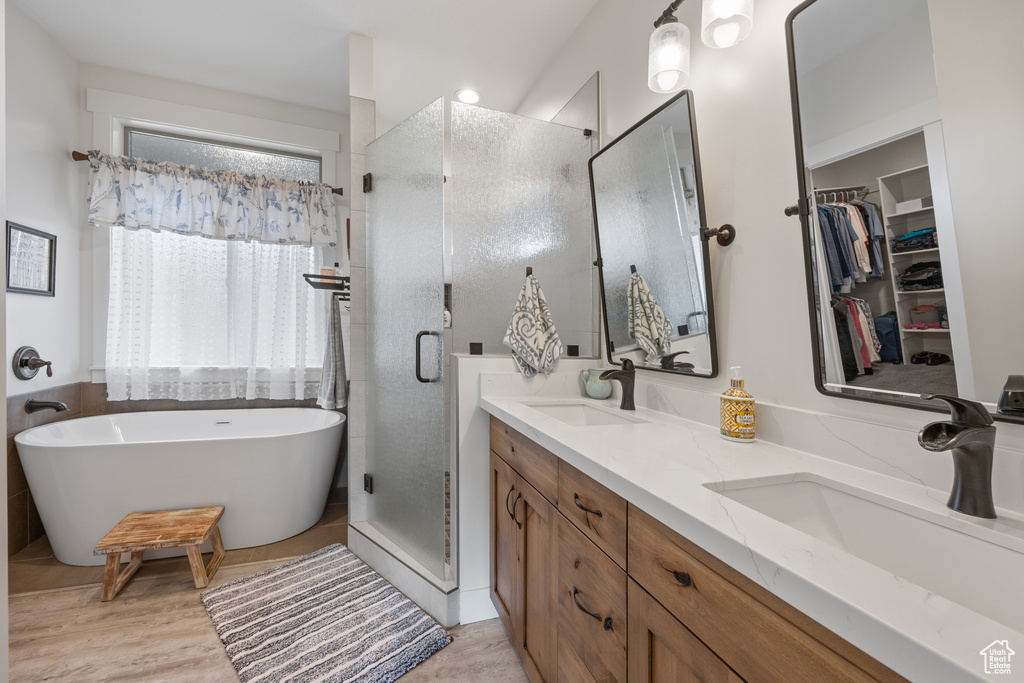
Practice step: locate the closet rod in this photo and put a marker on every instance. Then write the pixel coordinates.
(80, 156)
(866, 188)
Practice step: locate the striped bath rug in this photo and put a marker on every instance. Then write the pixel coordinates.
(323, 617)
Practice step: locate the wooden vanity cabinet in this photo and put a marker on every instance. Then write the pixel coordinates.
(524, 553)
(617, 596)
(758, 635)
(504, 542)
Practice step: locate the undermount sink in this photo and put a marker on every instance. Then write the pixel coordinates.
(584, 414)
(976, 564)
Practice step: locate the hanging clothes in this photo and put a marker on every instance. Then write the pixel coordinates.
(851, 233)
(860, 324)
(849, 341)
(875, 233)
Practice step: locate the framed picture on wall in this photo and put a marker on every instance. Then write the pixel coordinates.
(31, 257)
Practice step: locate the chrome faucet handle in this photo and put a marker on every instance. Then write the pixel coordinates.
(964, 411)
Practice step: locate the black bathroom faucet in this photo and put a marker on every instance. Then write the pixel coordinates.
(32, 406)
(627, 377)
(971, 436)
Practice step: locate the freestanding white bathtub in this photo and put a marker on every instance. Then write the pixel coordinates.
(271, 469)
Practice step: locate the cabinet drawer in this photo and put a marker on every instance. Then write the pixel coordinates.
(594, 509)
(662, 650)
(591, 604)
(760, 636)
(535, 464)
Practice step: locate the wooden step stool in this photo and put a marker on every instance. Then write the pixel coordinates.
(141, 531)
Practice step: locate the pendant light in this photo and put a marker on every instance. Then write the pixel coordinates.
(725, 23)
(668, 60)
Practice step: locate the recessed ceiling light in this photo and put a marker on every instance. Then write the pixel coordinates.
(468, 96)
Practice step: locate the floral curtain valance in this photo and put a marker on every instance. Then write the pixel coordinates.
(134, 193)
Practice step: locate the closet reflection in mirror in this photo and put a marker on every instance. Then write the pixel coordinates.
(908, 115)
(648, 213)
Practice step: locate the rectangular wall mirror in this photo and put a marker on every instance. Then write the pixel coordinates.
(909, 140)
(652, 256)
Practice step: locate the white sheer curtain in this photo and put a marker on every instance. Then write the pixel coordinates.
(200, 319)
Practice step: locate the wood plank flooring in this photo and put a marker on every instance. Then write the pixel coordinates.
(158, 630)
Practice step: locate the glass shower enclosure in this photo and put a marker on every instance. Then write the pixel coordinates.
(520, 198)
(405, 417)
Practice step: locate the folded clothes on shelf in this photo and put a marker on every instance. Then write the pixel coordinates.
(921, 276)
(915, 240)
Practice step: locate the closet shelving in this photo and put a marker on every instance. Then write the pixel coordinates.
(902, 186)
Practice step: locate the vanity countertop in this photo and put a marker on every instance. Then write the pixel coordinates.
(663, 465)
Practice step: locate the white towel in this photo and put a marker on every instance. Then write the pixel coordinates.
(531, 335)
(647, 322)
(333, 393)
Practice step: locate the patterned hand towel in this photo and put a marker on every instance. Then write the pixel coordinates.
(647, 322)
(531, 335)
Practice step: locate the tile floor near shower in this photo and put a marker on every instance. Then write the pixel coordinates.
(156, 629)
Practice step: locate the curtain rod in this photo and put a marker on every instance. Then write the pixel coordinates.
(80, 156)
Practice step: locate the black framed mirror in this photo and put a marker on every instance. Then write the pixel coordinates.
(653, 259)
(908, 145)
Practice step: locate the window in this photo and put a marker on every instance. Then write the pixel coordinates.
(199, 319)
(219, 156)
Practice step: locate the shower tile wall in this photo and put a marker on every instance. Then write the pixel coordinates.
(363, 130)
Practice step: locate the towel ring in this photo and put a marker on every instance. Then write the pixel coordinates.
(725, 235)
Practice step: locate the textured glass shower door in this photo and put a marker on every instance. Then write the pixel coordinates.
(520, 198)
(405, 322)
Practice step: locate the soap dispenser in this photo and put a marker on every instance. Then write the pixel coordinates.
(737, 410)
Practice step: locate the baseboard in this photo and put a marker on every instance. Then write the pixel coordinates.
(475, 605)
(442, 605)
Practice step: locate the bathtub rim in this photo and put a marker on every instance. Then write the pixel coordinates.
(334, 419)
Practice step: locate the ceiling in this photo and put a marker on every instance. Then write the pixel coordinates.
(297, 50)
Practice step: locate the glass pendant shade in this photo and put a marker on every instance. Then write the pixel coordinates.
(725, 23)
(668, 63)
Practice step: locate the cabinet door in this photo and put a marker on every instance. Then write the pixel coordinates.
(591, 604)
(504, 538)
(538, 559)
(662, 650)
(571, 668)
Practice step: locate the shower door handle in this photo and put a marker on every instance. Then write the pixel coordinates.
(419, 374)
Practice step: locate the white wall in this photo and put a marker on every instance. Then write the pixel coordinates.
(172, 102)
(744, 130)
(858, 103)
(42, 129)
(980, 72)
(3, 305)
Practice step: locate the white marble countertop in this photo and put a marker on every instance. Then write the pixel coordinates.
(662, 466)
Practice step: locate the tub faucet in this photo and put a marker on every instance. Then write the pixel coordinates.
(32, 406)
(627, 377)
(972, 438)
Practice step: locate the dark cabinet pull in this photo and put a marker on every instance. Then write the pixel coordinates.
(683, 578)
(507, 495)
(419, 336)
(515, 510)
(581, 607)
(576, 499)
